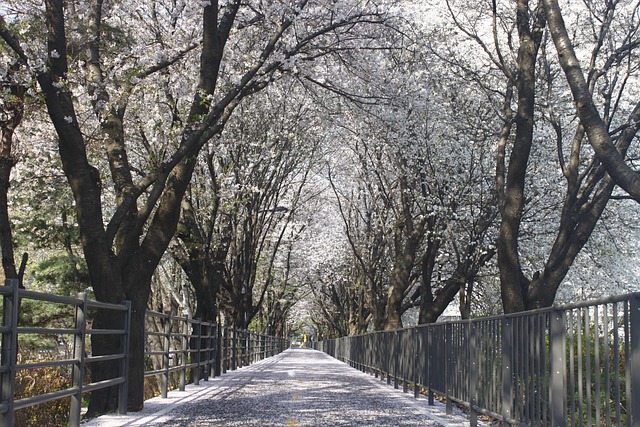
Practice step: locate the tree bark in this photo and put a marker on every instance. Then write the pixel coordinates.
(14, 112)
(513, 282)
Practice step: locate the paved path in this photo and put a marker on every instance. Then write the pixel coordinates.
(293, 389)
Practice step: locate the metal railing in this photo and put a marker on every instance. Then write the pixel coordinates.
(575, 365)
(77, 363)
(188, 346)
(192, 348)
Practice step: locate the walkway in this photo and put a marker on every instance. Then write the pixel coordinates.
(293, 389)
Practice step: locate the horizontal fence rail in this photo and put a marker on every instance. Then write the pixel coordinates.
(575, 365)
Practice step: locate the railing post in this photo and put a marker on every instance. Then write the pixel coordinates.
(255, 343)
(448, 375)
(416, 353)
(248, 356)
(239, 348)
(77, 372)
(474, 359)
(165, 357)
(431, 397)
(225, 350)
(184, 344)
(396, 357)
(123, 389)
(209, 359)
(9, 351)
(243, 352)
(234, 348)
(507, 375)
(198, 337)
(388, 355)
(635, 359)
(217, 368)
(558, 366)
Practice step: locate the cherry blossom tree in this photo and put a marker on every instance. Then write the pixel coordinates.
(538, 123)
(242, 210)
(596, 123)
(112, 75)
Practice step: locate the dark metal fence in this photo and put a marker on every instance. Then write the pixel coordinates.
(76, 364)
(575, 365)
(190, 348)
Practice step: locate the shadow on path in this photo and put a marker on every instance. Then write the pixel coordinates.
(299, 387)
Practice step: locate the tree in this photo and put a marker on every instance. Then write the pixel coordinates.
(595, 125)
(239, 211)
(531, 129)
(108, 51)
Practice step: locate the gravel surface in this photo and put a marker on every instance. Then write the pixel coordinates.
(299, 387)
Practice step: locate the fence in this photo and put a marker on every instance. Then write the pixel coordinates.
(77, 363)
(187, 346)
(191, 348)
(576, 365)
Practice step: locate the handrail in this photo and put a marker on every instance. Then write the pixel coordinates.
(577, 364)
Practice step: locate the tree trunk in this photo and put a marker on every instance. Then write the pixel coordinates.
(14, 110)
(513, 283)
(431, 309)
(393, 311)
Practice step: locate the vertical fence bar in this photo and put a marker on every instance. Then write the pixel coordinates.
(166, 355)
(218, 351)
(557, 388)
(448, 372)
(431, 397)
(234, 348)
(616, 362)
(208, 352)
(588, 341)
(123, 388)
(416, 355)
(240, 347)
(635, 360)
(596, 357)
(77, 373)
(404, 365)
(396, 358)
(627, 363)
(247, 344)
(571, 387)
(606, 364)
(388, 356)
(580, 385)
(9, 351)
(473, 359)
(507, 375)
(198, 337)
(184, 353)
